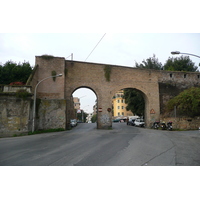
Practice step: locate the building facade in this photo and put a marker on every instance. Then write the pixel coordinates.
(119, 105)
(76, 103)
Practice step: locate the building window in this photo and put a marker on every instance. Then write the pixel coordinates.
(119, 114)
(118, 107)
(122, 114)
(122, 107)
(118, 101)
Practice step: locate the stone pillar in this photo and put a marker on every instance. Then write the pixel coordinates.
(68, 111)
(104, 111)
(152, 110)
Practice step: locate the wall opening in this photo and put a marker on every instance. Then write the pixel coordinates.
(128, 102)
(84, 105)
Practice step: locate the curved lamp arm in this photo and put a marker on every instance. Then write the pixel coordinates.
(178, 52)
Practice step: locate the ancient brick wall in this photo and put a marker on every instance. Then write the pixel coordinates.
(92, 76)
(55, 108)
(156, 86)
(50, 88)
(172, 84)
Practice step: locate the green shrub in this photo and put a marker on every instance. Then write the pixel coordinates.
(47, 57)
(187, 102)
(22, 94)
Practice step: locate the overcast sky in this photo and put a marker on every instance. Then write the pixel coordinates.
(115, 48)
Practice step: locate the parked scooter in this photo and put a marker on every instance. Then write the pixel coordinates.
(156, 125)
(169, 126)
(163, 126)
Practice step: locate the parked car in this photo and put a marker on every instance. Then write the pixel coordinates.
(139, 122)
(116, 120)
(119, 120)
(131, 120)
(73, 122)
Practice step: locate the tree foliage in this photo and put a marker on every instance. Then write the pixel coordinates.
(150, 63)
(79, 116)
(182, 63)
(13, 72)
(135, 101)
(187, 102)
(94, 118)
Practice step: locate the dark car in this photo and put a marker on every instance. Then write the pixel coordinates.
(117, 120)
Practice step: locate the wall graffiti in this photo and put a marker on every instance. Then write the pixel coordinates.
(105, 119)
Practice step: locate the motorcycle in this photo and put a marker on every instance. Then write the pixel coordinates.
(163, 126)
(156, 125)
(169, 126)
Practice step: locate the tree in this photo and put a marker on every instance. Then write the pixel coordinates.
(12, 72)
(182, 63)
(150, 63)
(187, 102)
(94, 118)
(80, 115)
(135, 101)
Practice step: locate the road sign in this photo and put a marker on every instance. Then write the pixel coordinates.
(100, 109)
(152, 111)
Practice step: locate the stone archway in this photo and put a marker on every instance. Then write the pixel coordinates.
(152, 103)
(92, 75)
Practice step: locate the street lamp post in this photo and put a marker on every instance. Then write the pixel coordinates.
(178, 52)
(34, 100)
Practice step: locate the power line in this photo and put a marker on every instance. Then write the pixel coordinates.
(95, 46)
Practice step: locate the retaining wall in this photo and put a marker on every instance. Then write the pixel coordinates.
(14, 115)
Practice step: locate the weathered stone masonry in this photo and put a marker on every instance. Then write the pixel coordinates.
(14, 114)
(54, 98)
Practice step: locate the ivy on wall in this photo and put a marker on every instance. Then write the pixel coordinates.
(53, 73)
(47, 57)
(107, 71)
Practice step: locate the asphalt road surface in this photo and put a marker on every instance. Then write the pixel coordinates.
(84, 145)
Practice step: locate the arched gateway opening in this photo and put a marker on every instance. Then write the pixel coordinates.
(128, 103)
(84, 104)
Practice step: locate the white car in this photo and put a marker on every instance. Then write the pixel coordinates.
(73, 122)
(139, 122)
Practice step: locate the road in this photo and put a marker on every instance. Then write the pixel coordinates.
(86, 146)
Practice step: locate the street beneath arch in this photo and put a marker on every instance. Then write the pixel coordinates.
(86, 146)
